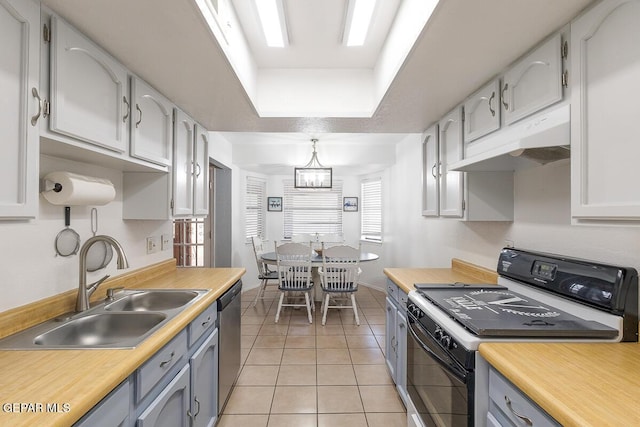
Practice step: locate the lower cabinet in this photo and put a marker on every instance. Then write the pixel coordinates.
(204, 383)
(509, 407)
(171, 407)
(112, 411)
(176, 387)
(396, 338)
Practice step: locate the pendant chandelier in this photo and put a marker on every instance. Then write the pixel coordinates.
(313, 174)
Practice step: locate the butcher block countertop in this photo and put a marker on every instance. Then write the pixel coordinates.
(460, 271)
(78, 379)
(578, 384)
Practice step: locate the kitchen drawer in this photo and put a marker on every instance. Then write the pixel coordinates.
(201, 324)
(160, 365)
(402, 299)
(113, 410)
(392, 290)
(514, 405)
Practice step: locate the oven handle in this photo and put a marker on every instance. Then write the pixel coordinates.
(459, 372)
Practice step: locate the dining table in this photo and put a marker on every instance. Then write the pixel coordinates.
(316, 261)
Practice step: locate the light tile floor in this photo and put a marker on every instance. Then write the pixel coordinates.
(296, 374)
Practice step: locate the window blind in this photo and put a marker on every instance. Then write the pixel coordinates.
(312, 211)
(255, 207)
(371, 210)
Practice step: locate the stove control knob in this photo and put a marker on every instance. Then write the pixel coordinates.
(437, 333)
(446, 341)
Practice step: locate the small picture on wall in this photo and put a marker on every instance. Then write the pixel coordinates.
(274, 204)
(350, 204)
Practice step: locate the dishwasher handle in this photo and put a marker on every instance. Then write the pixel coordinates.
(231, 294)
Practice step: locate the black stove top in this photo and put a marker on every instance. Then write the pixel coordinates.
(495, 311)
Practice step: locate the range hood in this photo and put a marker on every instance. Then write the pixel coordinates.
(541, 139)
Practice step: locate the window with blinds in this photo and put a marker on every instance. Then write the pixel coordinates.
(310, 212)
(255, 208)
(371, 210)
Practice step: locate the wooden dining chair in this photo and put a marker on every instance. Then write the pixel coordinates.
(339, 276)
(293, 261)
(265, 274)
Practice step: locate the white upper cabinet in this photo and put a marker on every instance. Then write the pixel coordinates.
(89, 93)
(19, 107)
(482, 112)
(430, 170)
(190, 167)
(450, 150)
(201, 173)
(151, 124)
(534, 82)
(183, 165)
(605, 60)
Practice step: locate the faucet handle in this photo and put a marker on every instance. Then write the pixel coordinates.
(112, 291)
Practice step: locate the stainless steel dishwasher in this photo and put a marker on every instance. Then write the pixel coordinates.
(229, 344)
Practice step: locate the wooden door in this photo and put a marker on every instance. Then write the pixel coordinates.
(183, 165)
(430, 172)
(482, 112)
(450, 147)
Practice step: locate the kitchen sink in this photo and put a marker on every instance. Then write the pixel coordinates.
(101, 329)
(123, 321)
(153, 300)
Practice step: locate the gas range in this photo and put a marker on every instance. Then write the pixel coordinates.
(539, 297)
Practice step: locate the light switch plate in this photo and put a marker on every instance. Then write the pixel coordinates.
(165, 242)
(152, 245)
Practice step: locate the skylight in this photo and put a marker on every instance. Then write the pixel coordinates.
(272, 19)
(358, 21)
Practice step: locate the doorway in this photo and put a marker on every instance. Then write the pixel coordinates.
(218, 225)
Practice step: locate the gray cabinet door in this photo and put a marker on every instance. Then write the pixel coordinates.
(151, 124)
(482, 112)
(89, 90)
(534, 82)
(391, 341)
(450, 151)
(183, 166)
(201, 173)
(605, 65)
(19, 44)
(401, 365)
(112, 411)
(430, 172)
(170, 408)
(204, 383)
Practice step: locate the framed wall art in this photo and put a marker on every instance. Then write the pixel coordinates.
(350, 204)
(274, 204)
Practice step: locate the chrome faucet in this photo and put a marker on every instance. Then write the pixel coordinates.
(84, 290)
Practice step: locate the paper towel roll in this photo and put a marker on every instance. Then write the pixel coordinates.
(78, 190)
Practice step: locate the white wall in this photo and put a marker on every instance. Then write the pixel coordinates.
(30, 268)
(542, 222)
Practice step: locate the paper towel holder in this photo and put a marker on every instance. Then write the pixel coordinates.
(71, 189)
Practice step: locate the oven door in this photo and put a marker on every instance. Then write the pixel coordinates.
(440, 388)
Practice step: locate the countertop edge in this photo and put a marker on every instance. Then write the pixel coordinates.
(120, 363)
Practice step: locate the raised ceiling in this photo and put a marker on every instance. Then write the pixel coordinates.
(464, 44)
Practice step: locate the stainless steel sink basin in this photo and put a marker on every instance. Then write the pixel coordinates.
(125, 322)
(100, 329)
(153, 300)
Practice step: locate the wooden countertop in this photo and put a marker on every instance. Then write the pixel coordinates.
(460, 271)
(578, 384)
(81, 378)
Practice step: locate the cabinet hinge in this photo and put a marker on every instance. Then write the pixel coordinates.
(464, 205)
(46, 108)
(46, 34)
(565, 50)
(565, 78)
(171, 203)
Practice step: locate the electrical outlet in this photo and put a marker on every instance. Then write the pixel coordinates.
(152, 244)
(508, 243)
(165, 240)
